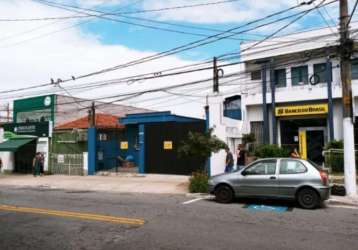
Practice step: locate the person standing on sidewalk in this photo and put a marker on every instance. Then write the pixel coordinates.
(36, 164)
(241, 157)
(229, 162)
(42, 165)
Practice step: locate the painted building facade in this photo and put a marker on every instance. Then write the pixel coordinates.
(285, 93)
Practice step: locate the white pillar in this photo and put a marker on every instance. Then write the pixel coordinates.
(85, 163)
(217, 160)
(7, 158)
(349, 158)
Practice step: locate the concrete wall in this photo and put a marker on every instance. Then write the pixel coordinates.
(226, 129)
(8, 160)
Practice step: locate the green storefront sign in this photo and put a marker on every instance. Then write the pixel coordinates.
(39, 129)
(35, 109)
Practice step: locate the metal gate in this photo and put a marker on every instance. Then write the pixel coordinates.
(163, 161)
(66, 164)
(107, 155)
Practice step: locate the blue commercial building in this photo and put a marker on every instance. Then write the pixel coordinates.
(153, 140)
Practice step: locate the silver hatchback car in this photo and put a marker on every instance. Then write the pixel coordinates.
(285, 178)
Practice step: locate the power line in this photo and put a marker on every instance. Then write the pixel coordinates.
(48, 24)
(135, 78)
(195, 44)
(128, 12)
(101, 15)
(324, 19)
(184, 47)
(354, 9)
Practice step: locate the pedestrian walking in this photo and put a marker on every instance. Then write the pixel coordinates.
(42, 164)
(36, 164)
(241, 157)
(229, 162)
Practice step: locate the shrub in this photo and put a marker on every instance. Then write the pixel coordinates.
(269, 150)
(334, 159)
(334, 145)
(248, 138)
(198, 182)
(200, 145)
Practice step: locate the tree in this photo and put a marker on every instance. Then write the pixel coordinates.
(200, 145)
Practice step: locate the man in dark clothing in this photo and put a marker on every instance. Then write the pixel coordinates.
(229, 162)
(241, 157)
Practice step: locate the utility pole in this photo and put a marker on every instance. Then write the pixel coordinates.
(346, 46)
(8, 112)
(215, 76)
(92, 115)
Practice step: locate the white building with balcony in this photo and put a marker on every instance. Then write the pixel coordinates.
(284, 95)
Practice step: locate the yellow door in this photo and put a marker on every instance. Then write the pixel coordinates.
(303, 144)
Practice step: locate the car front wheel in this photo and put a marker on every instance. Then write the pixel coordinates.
(224, 194)
(308, 198)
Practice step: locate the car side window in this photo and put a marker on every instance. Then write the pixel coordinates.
(292, 167)
(267, 167)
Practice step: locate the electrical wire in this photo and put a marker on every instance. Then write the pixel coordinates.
(128, 12)
(354, 9)
(195, 43)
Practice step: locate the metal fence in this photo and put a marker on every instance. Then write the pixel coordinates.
(334, 159)
(66, 164)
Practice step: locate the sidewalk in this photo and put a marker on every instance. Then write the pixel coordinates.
(151, 183)
(343, 200)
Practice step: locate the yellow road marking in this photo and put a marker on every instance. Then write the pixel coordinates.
(69, 214)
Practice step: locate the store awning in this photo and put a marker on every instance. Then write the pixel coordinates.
(13, 144)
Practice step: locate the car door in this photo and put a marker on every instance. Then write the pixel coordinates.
(259, 179)
(292, 174)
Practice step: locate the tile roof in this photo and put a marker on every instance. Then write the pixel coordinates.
(102, 121)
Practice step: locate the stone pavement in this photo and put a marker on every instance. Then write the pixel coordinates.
(122, 183)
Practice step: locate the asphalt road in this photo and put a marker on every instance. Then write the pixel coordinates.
(168, 223)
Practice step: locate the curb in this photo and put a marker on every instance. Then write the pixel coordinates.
(197, 195)
(343, 203)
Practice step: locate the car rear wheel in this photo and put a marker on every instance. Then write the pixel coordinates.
(224, 194)
(308, 198)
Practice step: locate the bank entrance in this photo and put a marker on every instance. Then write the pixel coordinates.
(307, 135)
(305, 128)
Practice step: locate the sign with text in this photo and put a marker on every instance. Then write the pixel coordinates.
(40, 129)
(311, 109)
(168, 145)
(124, 145)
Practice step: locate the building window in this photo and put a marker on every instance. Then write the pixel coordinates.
(299, 75)
(319, 71)
(232, 107)
(257, 128)
(355, 69)
(102, 137)
(280, 78)
(256, 75)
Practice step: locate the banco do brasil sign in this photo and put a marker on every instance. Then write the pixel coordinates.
(311, 109)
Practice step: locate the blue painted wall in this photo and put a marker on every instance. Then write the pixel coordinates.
(110, 152)
(131, 136)
(92, 150)
(141, 148)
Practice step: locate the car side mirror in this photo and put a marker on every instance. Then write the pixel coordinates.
(244, 173)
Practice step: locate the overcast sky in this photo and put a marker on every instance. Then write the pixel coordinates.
(32, 53)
